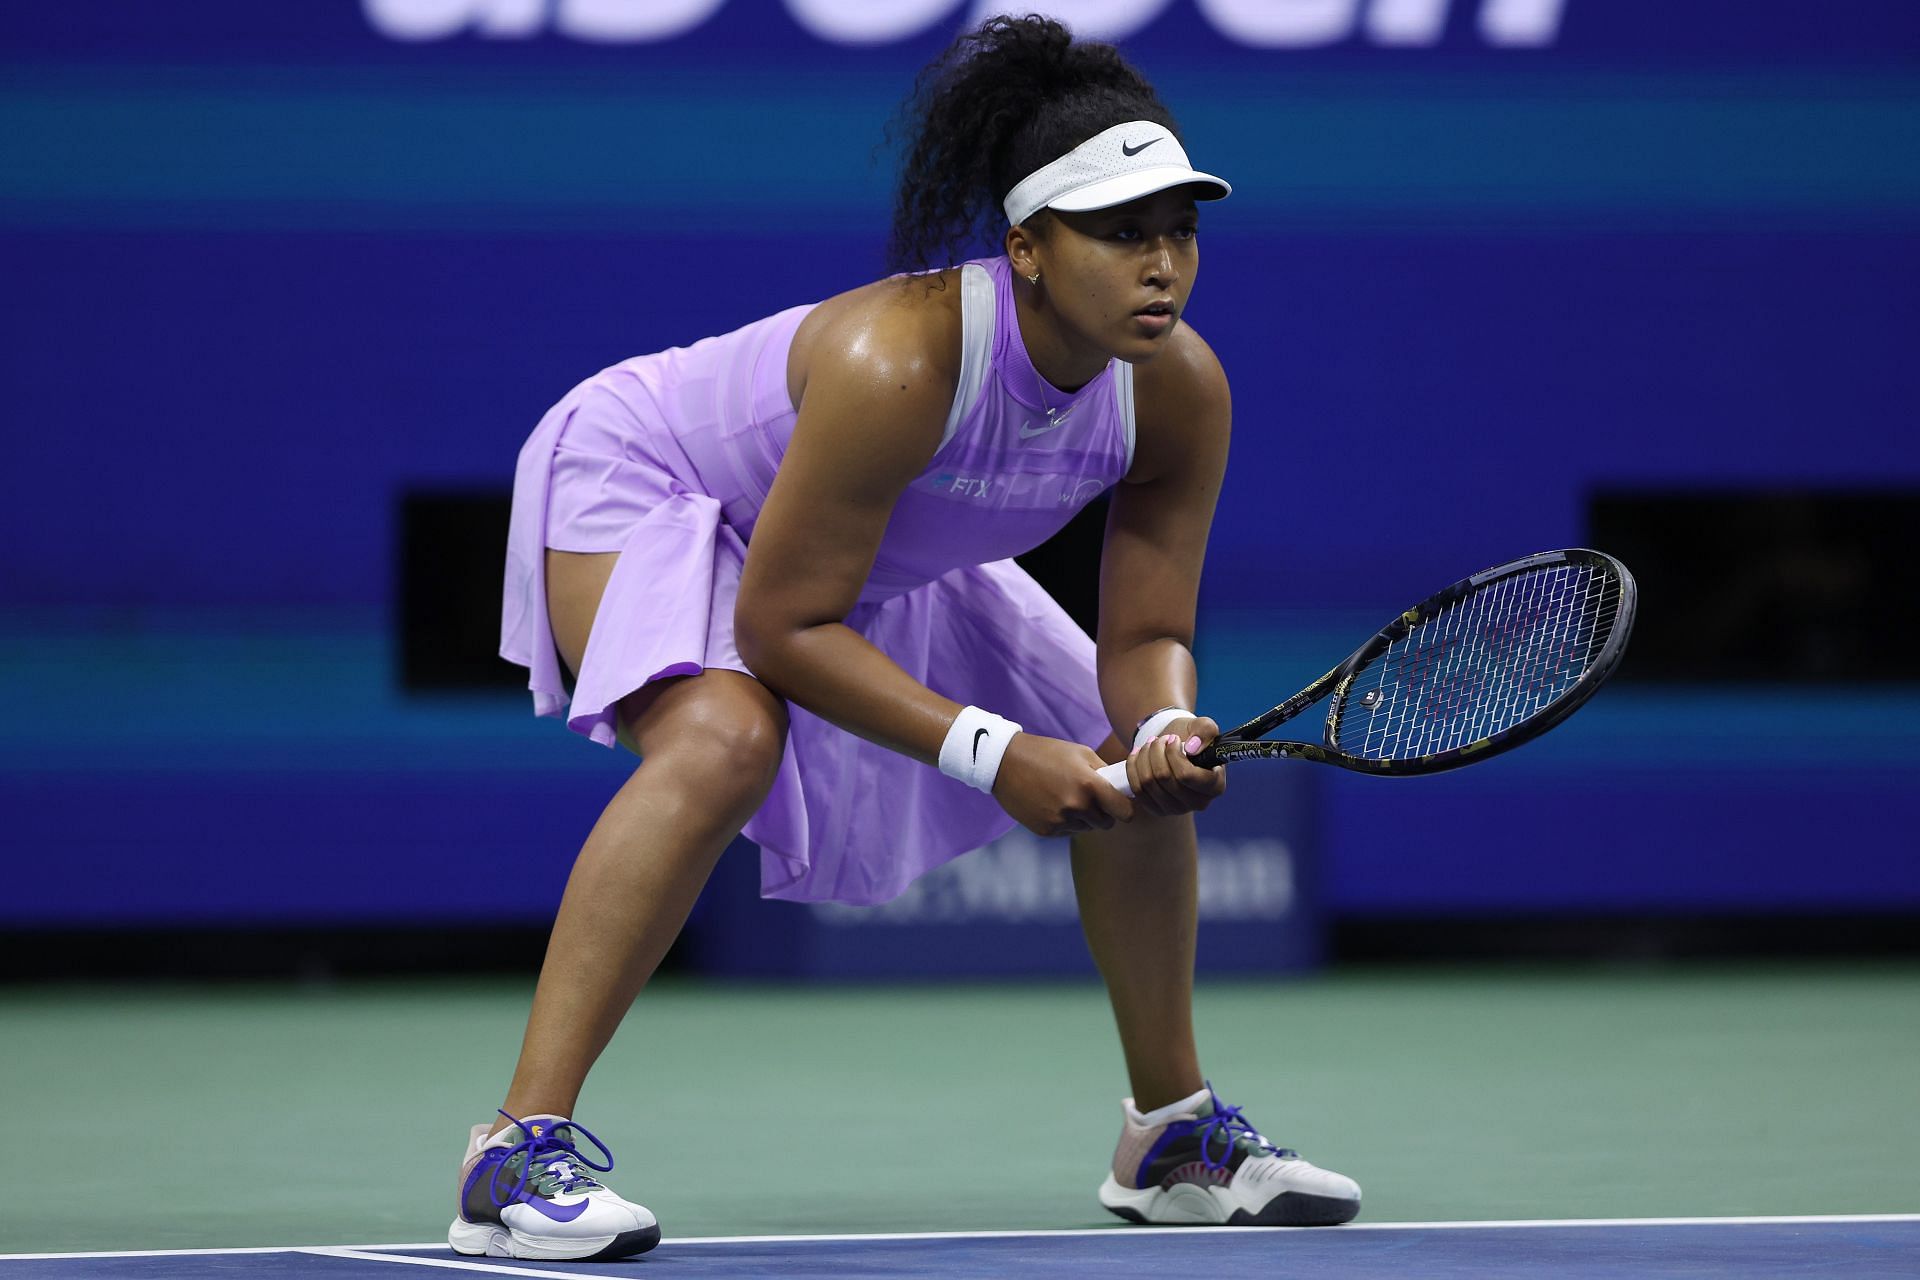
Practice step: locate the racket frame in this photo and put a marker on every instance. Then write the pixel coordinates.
(1247, 741)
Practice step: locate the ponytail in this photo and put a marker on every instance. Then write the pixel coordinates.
(999, 103)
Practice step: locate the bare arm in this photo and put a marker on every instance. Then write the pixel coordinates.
(1150, 571)
(869, 421)
(875, 398)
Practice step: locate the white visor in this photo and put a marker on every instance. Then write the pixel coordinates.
(1112, 167)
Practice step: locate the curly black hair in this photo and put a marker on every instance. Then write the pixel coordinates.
(1000, 102)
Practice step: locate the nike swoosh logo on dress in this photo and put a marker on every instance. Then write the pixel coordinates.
(1028, 431)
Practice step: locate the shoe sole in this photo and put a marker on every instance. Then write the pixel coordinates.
(1188, 1204)
(491, 1240)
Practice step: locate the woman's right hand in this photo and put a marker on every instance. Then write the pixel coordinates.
(1054, 788)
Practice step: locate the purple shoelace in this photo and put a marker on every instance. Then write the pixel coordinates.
(1226, 1122)
(545, 1149)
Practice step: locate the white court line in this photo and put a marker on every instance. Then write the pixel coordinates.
(450, 1263)
(1118, 1230)
(196, 1253)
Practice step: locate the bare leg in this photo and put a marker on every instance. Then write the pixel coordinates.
(1139, 904)
(647, 857)
(640, 870)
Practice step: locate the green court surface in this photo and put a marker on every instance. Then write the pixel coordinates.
(170, 1117)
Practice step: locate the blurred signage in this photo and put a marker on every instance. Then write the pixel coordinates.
(1021, 878)
(1634, 35)
(1260, 24)
(1009, 909)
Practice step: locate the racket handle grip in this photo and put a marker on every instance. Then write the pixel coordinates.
(1116, 773)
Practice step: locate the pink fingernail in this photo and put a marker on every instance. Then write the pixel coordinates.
(1173, 738)
(1193, 744)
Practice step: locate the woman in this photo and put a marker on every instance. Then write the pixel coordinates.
(775, 565)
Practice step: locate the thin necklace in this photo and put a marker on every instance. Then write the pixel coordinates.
(1054, 416)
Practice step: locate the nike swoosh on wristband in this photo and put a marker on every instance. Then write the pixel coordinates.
(558, 1212)
(977, 735)
(1126, 150)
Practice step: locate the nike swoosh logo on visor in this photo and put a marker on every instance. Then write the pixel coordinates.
(1126, 150)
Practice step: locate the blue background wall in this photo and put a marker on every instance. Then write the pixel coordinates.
(266, 268)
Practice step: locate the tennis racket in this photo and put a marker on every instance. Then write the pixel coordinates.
(1479, 668)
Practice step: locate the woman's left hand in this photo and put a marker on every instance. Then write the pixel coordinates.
(1165, 780)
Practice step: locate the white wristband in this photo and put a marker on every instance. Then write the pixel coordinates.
(975, 746)
(1156, 724)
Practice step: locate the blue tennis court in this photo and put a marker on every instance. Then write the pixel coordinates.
(1865, 1247)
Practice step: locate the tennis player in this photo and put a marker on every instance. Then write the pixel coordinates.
(775, 565)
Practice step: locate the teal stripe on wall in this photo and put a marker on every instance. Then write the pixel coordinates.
(213, 148)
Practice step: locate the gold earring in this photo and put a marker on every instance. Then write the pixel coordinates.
(1034, 279)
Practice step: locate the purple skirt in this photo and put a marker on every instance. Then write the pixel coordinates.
(846, 821)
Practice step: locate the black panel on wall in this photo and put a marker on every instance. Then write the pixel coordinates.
(452, 556)
(1768, 585)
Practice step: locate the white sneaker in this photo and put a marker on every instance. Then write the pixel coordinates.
(1198, 1163)
(526, 1193)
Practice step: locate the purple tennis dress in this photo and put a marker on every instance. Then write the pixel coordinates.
(667, 458)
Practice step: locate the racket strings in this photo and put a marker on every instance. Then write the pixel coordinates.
(1480, 666)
